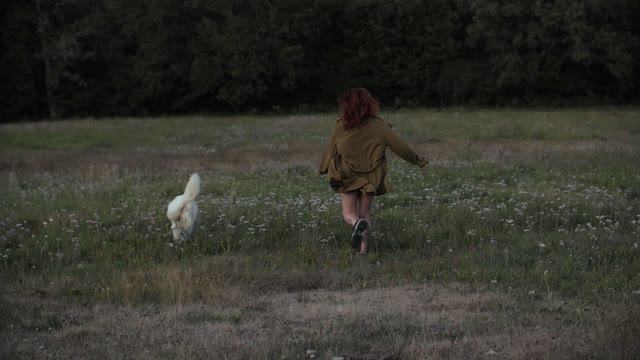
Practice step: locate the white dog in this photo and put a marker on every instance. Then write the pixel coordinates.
(183, 211)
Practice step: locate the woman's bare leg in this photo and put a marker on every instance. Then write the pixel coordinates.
(364, 208)
(350, 207)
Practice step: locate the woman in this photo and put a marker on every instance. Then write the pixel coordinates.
(355, 160)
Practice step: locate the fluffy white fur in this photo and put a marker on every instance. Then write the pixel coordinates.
(183, 211)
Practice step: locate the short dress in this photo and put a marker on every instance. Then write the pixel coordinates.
(355, 159)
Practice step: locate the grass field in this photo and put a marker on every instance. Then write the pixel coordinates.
(520, 240)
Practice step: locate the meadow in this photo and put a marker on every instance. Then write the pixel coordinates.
(519, 240)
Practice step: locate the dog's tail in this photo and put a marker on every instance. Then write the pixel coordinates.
(193, 188)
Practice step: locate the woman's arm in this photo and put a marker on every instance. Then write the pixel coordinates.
(329, 152)
(400, 148)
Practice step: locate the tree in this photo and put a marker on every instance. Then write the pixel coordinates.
(20, 91)
(60, 30)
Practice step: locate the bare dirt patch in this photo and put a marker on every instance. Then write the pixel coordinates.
(109, 161)
(242, 157)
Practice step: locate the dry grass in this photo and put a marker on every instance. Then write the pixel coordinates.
(223, 308)
(404, 322)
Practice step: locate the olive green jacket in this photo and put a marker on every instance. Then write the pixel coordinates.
(355, 159)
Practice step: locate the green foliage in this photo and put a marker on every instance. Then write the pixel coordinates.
(73, 58)
(559, 48)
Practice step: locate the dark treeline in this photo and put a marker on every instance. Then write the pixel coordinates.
(132, 57)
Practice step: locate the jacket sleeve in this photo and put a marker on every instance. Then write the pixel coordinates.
(401, 149)
(329, 152)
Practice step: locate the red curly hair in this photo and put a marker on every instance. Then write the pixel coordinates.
(356, 105)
